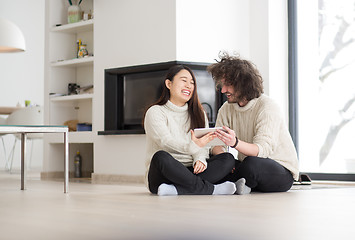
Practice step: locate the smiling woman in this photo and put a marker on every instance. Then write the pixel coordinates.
(176, 159)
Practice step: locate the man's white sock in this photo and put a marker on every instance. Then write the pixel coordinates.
(167, 190)
(226, 188)
(242, 189)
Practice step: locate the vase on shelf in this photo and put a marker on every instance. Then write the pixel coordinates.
(74, 13)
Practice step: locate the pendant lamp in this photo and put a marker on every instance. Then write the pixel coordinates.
(11, 37)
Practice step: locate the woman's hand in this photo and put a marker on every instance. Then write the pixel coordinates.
(202, 141)
(199, 167)
(227, 136)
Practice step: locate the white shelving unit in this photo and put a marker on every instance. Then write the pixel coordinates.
(63, 67)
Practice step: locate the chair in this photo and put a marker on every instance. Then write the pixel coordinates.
(3, 122)
(24, 116)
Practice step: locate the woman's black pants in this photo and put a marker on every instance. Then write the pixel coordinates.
(164, 168)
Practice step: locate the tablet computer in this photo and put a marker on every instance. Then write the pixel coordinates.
(199, 132)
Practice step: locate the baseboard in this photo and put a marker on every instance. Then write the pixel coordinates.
(115, 178)
(60, 175)
(96, 178)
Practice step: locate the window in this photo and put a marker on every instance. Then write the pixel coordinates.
(322, 86)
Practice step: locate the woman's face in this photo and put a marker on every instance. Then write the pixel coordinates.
(181, 88)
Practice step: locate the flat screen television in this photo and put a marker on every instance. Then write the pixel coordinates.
(129, 91)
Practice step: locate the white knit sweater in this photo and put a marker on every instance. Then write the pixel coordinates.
(260, 122)
(167, 128)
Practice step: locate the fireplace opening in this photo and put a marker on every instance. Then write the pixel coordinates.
(130, 90)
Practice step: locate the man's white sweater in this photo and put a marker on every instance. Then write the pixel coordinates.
(260, 122)
(167, 128)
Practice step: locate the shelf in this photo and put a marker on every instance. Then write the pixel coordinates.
(73, 137)
(72, 97)
(82, 26)
(76, 62)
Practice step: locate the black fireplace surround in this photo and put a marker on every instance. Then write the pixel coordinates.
(130, 90)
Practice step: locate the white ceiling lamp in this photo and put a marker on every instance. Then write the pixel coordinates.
(11, 37)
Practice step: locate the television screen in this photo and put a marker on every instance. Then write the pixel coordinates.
(140, 91)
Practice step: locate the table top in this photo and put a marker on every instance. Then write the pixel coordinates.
(33, 129)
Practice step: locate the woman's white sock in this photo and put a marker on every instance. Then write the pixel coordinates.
(226, 188)
(167, 190)
(242, 189)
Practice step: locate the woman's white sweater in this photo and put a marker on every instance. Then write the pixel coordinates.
(260, 122)
(167, 128)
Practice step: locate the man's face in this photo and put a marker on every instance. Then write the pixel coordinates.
(229, 91)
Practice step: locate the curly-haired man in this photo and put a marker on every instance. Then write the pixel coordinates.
(267, 159)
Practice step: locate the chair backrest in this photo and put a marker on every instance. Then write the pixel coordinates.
(26, 116)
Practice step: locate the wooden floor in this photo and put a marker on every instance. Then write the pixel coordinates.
(129, 212)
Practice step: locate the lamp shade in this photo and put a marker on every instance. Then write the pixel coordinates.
(11, 37)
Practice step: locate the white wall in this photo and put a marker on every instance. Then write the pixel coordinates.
(269, 47)
(206, 27)
(278, 54)
(127, 32)
(22, 74)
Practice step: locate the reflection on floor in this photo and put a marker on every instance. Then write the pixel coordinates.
(92, 211)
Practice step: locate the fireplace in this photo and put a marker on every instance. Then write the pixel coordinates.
(130, 90)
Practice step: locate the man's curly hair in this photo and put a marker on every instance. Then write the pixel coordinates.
(241, 74)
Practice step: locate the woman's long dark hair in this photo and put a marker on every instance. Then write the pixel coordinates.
(195, 109)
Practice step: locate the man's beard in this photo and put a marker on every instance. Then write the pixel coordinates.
(233, 98)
